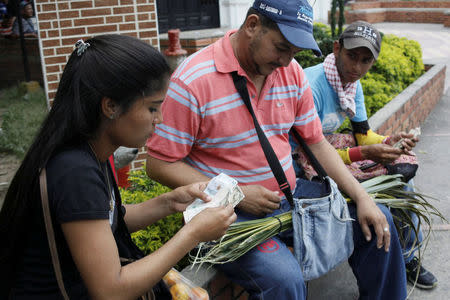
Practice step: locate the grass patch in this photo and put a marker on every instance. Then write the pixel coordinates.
(22, 116)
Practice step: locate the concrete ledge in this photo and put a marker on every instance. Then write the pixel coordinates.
(411, 107)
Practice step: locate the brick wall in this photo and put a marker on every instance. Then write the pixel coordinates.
(62, 22)
(411, 107)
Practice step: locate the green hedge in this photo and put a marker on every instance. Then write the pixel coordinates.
(154, 236)
(398, 65)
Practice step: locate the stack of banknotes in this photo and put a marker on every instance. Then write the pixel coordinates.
(223, 190)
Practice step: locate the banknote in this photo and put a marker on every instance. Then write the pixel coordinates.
(223, 190)
(415, 132)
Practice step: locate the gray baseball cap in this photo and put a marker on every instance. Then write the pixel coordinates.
(362, 34)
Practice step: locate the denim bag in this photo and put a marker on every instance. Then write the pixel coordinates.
(322, 228)
(323, 232)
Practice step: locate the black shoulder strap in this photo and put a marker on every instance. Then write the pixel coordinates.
(241, 86)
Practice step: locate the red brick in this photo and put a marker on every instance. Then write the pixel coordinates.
(47, 16)
(53, 33)
(126, 2)
(52, 69)
(72, 40)
(89, 21)
(55, 60)
(106, 2)
(130, 18)
(49, 52)
(147, 34)
(129, 26)
(147, 8)
(64, 50)
(48, 7)
(103, 28)
(44, 25)
(114, 19)
(65, 23)
(52, 77)
(63, 5)
(43, 34)
(143, 25)
(133, 34)
(50, 43)
(80, 4)
(69, 14)
(73, 31)
(123, 10)
(142, 17)
(95, 12)
(152, 16)
(51, 96)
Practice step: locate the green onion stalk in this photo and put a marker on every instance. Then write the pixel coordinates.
(388, 190)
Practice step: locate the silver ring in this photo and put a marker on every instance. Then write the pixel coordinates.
(385, 229)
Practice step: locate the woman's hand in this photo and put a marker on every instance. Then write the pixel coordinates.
(181, 197)
(211, 223)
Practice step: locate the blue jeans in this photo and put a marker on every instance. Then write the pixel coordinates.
(270, 270)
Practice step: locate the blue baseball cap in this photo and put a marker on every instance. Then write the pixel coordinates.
(294, 19)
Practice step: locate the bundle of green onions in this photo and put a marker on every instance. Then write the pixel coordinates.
(386, 189)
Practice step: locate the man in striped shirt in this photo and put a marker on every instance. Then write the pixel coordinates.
(207, 130)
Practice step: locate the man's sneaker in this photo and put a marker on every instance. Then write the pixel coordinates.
(425, 280)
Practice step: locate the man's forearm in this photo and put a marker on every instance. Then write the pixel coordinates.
(336, 169)
(172, 174)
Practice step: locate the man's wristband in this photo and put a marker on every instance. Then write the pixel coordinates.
(355, 154)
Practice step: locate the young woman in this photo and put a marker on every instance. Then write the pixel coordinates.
(109, 95)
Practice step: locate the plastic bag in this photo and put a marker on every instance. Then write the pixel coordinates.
(182, 288)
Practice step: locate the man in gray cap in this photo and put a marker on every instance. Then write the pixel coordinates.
(208, 130)
(338, 94)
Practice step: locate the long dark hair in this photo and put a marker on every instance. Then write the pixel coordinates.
(119, 67)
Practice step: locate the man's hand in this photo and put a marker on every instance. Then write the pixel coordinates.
(369, 214)
(409, 141)
(259, 200)
(380, 153)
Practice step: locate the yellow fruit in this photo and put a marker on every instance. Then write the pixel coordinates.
(180, 291)
(200, 293)
(171, 277)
